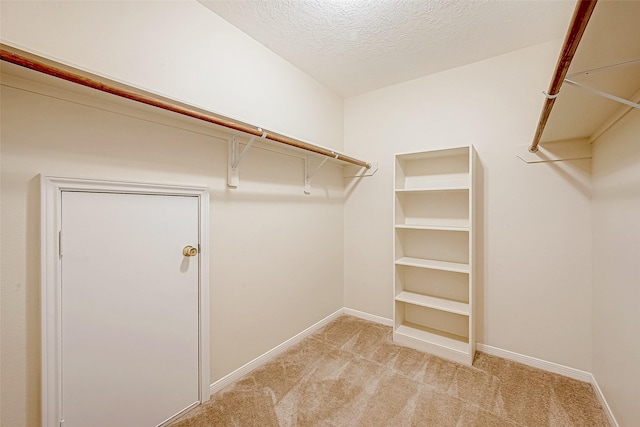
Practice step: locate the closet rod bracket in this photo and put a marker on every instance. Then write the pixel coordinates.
(308, 174)
(235, 156)
(603, 94)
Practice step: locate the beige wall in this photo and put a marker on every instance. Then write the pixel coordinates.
(182, 50)
(291, 242)
(535, 239)
(534, 251)
(616, 267)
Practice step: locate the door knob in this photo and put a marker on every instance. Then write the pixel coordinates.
(189, 251)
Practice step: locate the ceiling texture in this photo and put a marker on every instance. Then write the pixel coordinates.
(356, 46)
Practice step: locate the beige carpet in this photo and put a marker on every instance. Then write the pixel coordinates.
(351, 374)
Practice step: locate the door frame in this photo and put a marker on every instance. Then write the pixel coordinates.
(51, 189)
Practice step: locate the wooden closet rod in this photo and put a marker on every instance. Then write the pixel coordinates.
(581, 15)
(54, 71)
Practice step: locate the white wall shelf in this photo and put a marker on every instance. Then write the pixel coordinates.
(449, 342)
(438, 185)
(442, 227)
(433, 252)
(433, 264)
(433, 302)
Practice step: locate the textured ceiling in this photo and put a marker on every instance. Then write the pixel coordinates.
(355, 46)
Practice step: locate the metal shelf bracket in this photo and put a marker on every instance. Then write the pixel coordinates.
(234, 158)
(308, 174)
(603, 94)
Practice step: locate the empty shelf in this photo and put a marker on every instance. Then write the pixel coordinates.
(433, 302)
(437, 186)
(432, 336)
(443, 225)
(433, 264)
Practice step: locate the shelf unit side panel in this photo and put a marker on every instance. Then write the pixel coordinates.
(399, 312)
(399, 280)
(398, 173)
(398, 215)
(473, 195)
(398, 246)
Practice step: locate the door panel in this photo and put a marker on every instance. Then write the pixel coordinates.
(129, 308)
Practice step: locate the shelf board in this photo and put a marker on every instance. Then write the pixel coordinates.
(433, 154)
(435, 337)
(433, 264)
(433, 302)
(442, 226)
(436, 186)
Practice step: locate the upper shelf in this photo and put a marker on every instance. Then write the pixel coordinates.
(29, 61)
(610, 38)
(456, 267)
(452, 184)
(446, 169)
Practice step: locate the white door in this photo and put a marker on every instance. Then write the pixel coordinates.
(129, 308)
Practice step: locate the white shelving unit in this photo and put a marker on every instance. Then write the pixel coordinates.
(433, 249)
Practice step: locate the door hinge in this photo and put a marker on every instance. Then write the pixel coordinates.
(60, 254)
(61, 423)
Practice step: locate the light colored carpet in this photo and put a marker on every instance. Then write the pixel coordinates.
(351, 374)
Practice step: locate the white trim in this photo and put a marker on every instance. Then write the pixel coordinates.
(369, 317)
(51, 190)
(556, 368)
(603, 402)
(494, 351)
(204, 355)
(277, 350)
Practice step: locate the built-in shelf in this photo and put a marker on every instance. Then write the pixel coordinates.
(433, 302)
(433, 264)
(435, 210)
(457, 185)
(442, 227)
(433, 223)
(434, 336)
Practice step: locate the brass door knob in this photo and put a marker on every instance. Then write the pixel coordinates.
(189, 251)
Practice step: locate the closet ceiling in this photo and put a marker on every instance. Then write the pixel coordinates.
(355, 46)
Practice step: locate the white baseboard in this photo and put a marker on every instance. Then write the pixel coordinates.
(494, 351)
(264, 358)
(367, 316)
(556, 368)
(603, 402)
